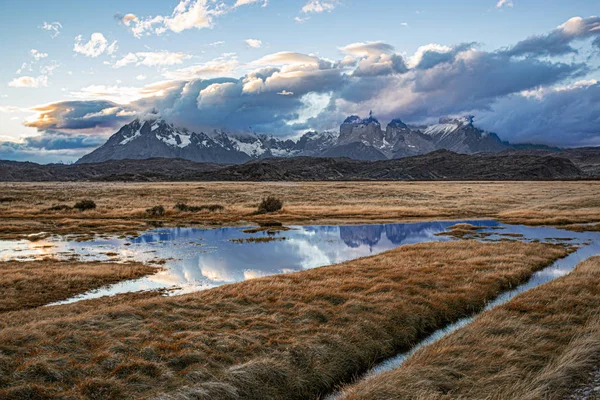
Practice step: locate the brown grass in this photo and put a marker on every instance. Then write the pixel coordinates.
(31, 284)
(537, 346)
(282, 337)
(121, 206)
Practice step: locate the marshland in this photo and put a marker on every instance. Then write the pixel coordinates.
(216, 291)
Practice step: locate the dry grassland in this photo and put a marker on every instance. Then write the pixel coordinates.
(122, 206)
(537, 346)
(31, 284)
(283, 337)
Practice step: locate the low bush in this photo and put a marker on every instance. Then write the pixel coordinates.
(182, 207)
(84, 205)
(8, 199)
(156, 211)
(269, 205)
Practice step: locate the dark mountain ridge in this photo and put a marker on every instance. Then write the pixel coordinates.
(438, 165)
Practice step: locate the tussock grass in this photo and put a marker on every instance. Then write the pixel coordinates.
(290, 336)
(156, 211)
(537, 346)
(31, 284)
(121, 206)
(269, 204)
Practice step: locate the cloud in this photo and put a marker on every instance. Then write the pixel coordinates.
(141, 77)
(367, 49)
(240, 3)
(96, 46)
(80, 115)
(558, 42)
(288, 92)
(124, 94)
(319, 6)
(504, 3)
(151, 59)
(287, 58)
(254, 43)
(53, 27)
(562, 116)
(188, 14)
(29, 82)
(37, 55)
(220, 66)
(377, 58)
(50, 147)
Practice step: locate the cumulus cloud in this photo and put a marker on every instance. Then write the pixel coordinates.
(559, 41)
(254, 43)
(504, 3)
(29, 82)
(52, 27)
(188, 14)
(151, 59)
(377, 58)
(96, 46)
(319, 6)
(37, 55)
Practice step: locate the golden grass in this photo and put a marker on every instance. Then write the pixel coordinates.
(283, 337)
(537, 346)
(121, 206)
(31, 284)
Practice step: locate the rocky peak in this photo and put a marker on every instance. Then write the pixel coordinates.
(461, 121)
(367, 131)
(397, 124)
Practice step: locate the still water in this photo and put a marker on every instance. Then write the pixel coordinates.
(197, 259)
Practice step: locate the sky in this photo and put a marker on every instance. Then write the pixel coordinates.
(73, 72)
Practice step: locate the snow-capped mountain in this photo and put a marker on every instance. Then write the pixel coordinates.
(362, 139)
(461, 136)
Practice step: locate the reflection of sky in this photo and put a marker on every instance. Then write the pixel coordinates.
(197, 259)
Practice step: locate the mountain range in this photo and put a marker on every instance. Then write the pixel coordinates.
(358, 139)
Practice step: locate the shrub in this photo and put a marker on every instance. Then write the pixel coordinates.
(60, 207)
(8, 199)
(156, 211)
(269, 205)
(84, 205)
(182, 207)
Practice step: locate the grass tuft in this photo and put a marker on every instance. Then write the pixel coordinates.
(85, 205)
(270, 204)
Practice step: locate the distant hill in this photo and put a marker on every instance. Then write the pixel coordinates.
(437, 165)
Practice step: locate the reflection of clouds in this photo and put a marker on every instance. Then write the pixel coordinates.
(219, 271)
(312, 256)
(218, 261)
